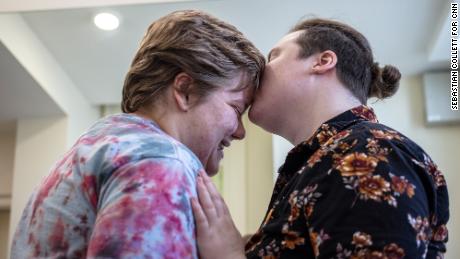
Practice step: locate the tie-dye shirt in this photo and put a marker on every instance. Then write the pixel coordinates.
(122, 191)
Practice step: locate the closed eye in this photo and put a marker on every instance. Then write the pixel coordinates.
(273, 53)
(238, 111)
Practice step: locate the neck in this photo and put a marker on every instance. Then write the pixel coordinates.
(325, 107)
(166, 123)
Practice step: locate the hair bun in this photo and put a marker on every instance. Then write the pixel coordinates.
(385, 82)
(391, 75)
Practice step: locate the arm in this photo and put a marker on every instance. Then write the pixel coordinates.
(217, 236)
(144, 210)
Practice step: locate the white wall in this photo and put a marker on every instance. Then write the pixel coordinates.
(247, 178)
(280, 149)
(233, 176)
(7, 144)
(7, 147)
(4, 225)
(259, 177)
(39, 144)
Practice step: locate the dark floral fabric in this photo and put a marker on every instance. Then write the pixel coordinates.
(355, 189)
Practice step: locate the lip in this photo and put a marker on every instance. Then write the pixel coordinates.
(225, 143)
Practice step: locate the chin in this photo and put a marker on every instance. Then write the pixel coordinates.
(211, 173)
(252, 115)
(257, 117)
(212, 169)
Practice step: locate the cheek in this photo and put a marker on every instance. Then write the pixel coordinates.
(264, 83)
(266, 105)
(229, 124)
(256, 111)
(271, 84)
(220, 127)
(265, 99)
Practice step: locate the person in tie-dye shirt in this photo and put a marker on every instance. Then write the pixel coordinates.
(123, 190)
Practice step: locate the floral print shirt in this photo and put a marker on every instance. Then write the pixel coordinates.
(122, 191)
(355, 189)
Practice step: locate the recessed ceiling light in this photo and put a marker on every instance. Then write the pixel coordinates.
(106, 21)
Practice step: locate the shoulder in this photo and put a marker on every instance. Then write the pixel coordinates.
(375, 139)
(367, 148)
(370, 155)
(122, 139)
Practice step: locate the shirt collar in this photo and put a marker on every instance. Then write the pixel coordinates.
(300, 153)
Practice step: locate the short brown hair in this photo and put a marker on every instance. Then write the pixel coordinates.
(356, 68)
(208, 49)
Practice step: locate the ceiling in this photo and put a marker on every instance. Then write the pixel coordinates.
(21, 96)
(410, 34)
(27, 5)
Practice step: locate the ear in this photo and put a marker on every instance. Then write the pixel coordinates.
(182, 87)
(324, 62)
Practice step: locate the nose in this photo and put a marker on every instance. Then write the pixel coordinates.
(240, 132)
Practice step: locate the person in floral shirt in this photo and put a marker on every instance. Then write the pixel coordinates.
(351, 187)
(123, 190)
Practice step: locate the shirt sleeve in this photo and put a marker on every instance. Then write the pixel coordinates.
(144, 212)
(372, 203)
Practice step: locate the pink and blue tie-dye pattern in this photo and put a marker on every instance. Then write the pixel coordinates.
(122, 191)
